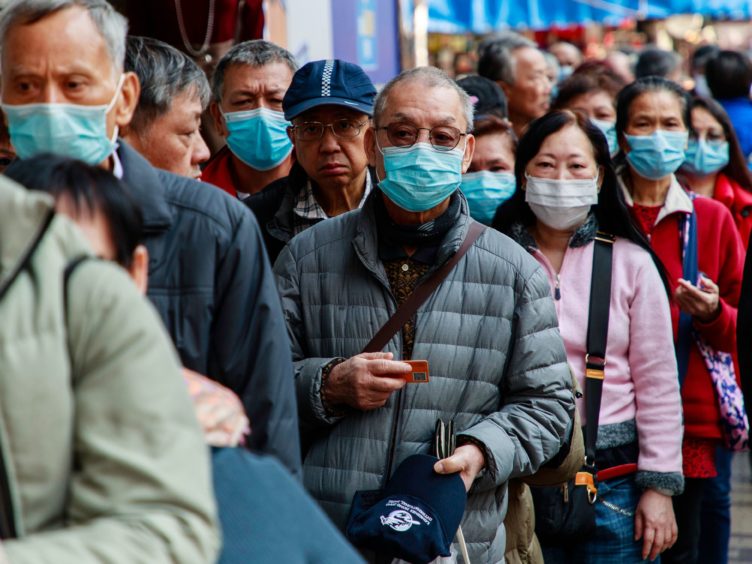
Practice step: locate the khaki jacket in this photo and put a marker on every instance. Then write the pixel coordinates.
(101, 457)
(522, 544)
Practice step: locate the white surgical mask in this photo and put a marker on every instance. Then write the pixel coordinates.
(561, 204)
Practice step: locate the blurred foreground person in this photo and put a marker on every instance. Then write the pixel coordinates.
(519, 67)
(329, 104)
(704, 275)
(245, 484)
(64, 91)
(568, 199)
(166, 125)
(102, 458)
(248, 87)
(503, 381)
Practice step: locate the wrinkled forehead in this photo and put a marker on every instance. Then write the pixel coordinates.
(416, 101)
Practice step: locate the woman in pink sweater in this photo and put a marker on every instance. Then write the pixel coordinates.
(566, 192)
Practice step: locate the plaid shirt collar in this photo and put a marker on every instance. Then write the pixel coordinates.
(306, 206)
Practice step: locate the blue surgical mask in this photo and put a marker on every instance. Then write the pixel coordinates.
(658, 155)
(486, 191)
(419, 178)
(705, 157)
(258, 137)
(70, 130)
(609, 130)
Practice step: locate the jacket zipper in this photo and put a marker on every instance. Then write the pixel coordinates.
(557, 288)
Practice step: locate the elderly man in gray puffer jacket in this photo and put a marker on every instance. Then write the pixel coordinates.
(489, 331)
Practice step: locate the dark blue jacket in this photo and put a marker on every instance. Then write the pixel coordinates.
(739, 111)
(211, 282)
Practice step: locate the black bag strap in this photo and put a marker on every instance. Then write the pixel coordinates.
(422, 292)
(597, 336)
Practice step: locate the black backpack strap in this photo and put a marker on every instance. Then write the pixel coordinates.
(597, 336)
(70, 268)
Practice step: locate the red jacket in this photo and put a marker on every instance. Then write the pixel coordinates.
(721, 258)
(218, 172)
(738, 201)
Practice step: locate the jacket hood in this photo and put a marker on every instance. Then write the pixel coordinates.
(24, 217)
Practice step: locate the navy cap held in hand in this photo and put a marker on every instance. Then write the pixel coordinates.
(330, 82)
(415, 518)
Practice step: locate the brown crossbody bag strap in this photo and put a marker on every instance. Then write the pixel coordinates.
(421, 293)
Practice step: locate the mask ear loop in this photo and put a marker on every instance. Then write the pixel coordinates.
(111, 105)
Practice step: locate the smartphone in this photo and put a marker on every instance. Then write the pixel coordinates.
(418, 374)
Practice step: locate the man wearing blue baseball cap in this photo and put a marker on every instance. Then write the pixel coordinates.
(329, 104)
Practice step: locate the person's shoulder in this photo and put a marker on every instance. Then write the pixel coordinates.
(267, 202)
(498, 246)
(202, 200)
(710, 209)
(326, 235)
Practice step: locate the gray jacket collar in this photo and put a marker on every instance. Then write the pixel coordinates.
(366, 246)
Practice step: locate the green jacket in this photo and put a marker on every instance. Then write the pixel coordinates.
(101, 457)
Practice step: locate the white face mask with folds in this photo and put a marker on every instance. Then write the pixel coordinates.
(561, 204)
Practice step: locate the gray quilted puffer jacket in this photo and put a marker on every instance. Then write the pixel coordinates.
(489, 333)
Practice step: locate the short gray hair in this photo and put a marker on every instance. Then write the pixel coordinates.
(496, 61)
(255, 53)
(164, 73)
(111, 25)
(430, 77)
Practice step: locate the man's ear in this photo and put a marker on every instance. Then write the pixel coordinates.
(219, 121)
(369, 144)
(127, 100)
(467, 158)
(139, 269)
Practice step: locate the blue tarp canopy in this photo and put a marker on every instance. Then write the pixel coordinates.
(483, 16)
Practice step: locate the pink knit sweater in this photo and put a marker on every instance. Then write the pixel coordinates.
(641, 376)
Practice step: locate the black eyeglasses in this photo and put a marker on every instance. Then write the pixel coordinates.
(442, 137)
(314, 130)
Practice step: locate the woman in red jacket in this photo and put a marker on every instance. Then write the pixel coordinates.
(715, 166)
(652, 124)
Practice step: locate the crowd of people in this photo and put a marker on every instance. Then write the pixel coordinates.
(477, 320)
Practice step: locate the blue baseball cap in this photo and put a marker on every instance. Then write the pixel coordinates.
(331, 82)
(415, 517)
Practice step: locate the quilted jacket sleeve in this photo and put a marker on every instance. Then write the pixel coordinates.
(307, 370)
(140, 491)
(537, 400)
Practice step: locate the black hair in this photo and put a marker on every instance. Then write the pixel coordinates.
(585, 81)
(91, 189)
(164, 73)
(656, 62)
(736, 169)
(611, 211)
(729, 75)
(702, 55)
(641, 86)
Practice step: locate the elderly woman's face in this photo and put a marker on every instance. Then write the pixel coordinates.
(564, 155)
